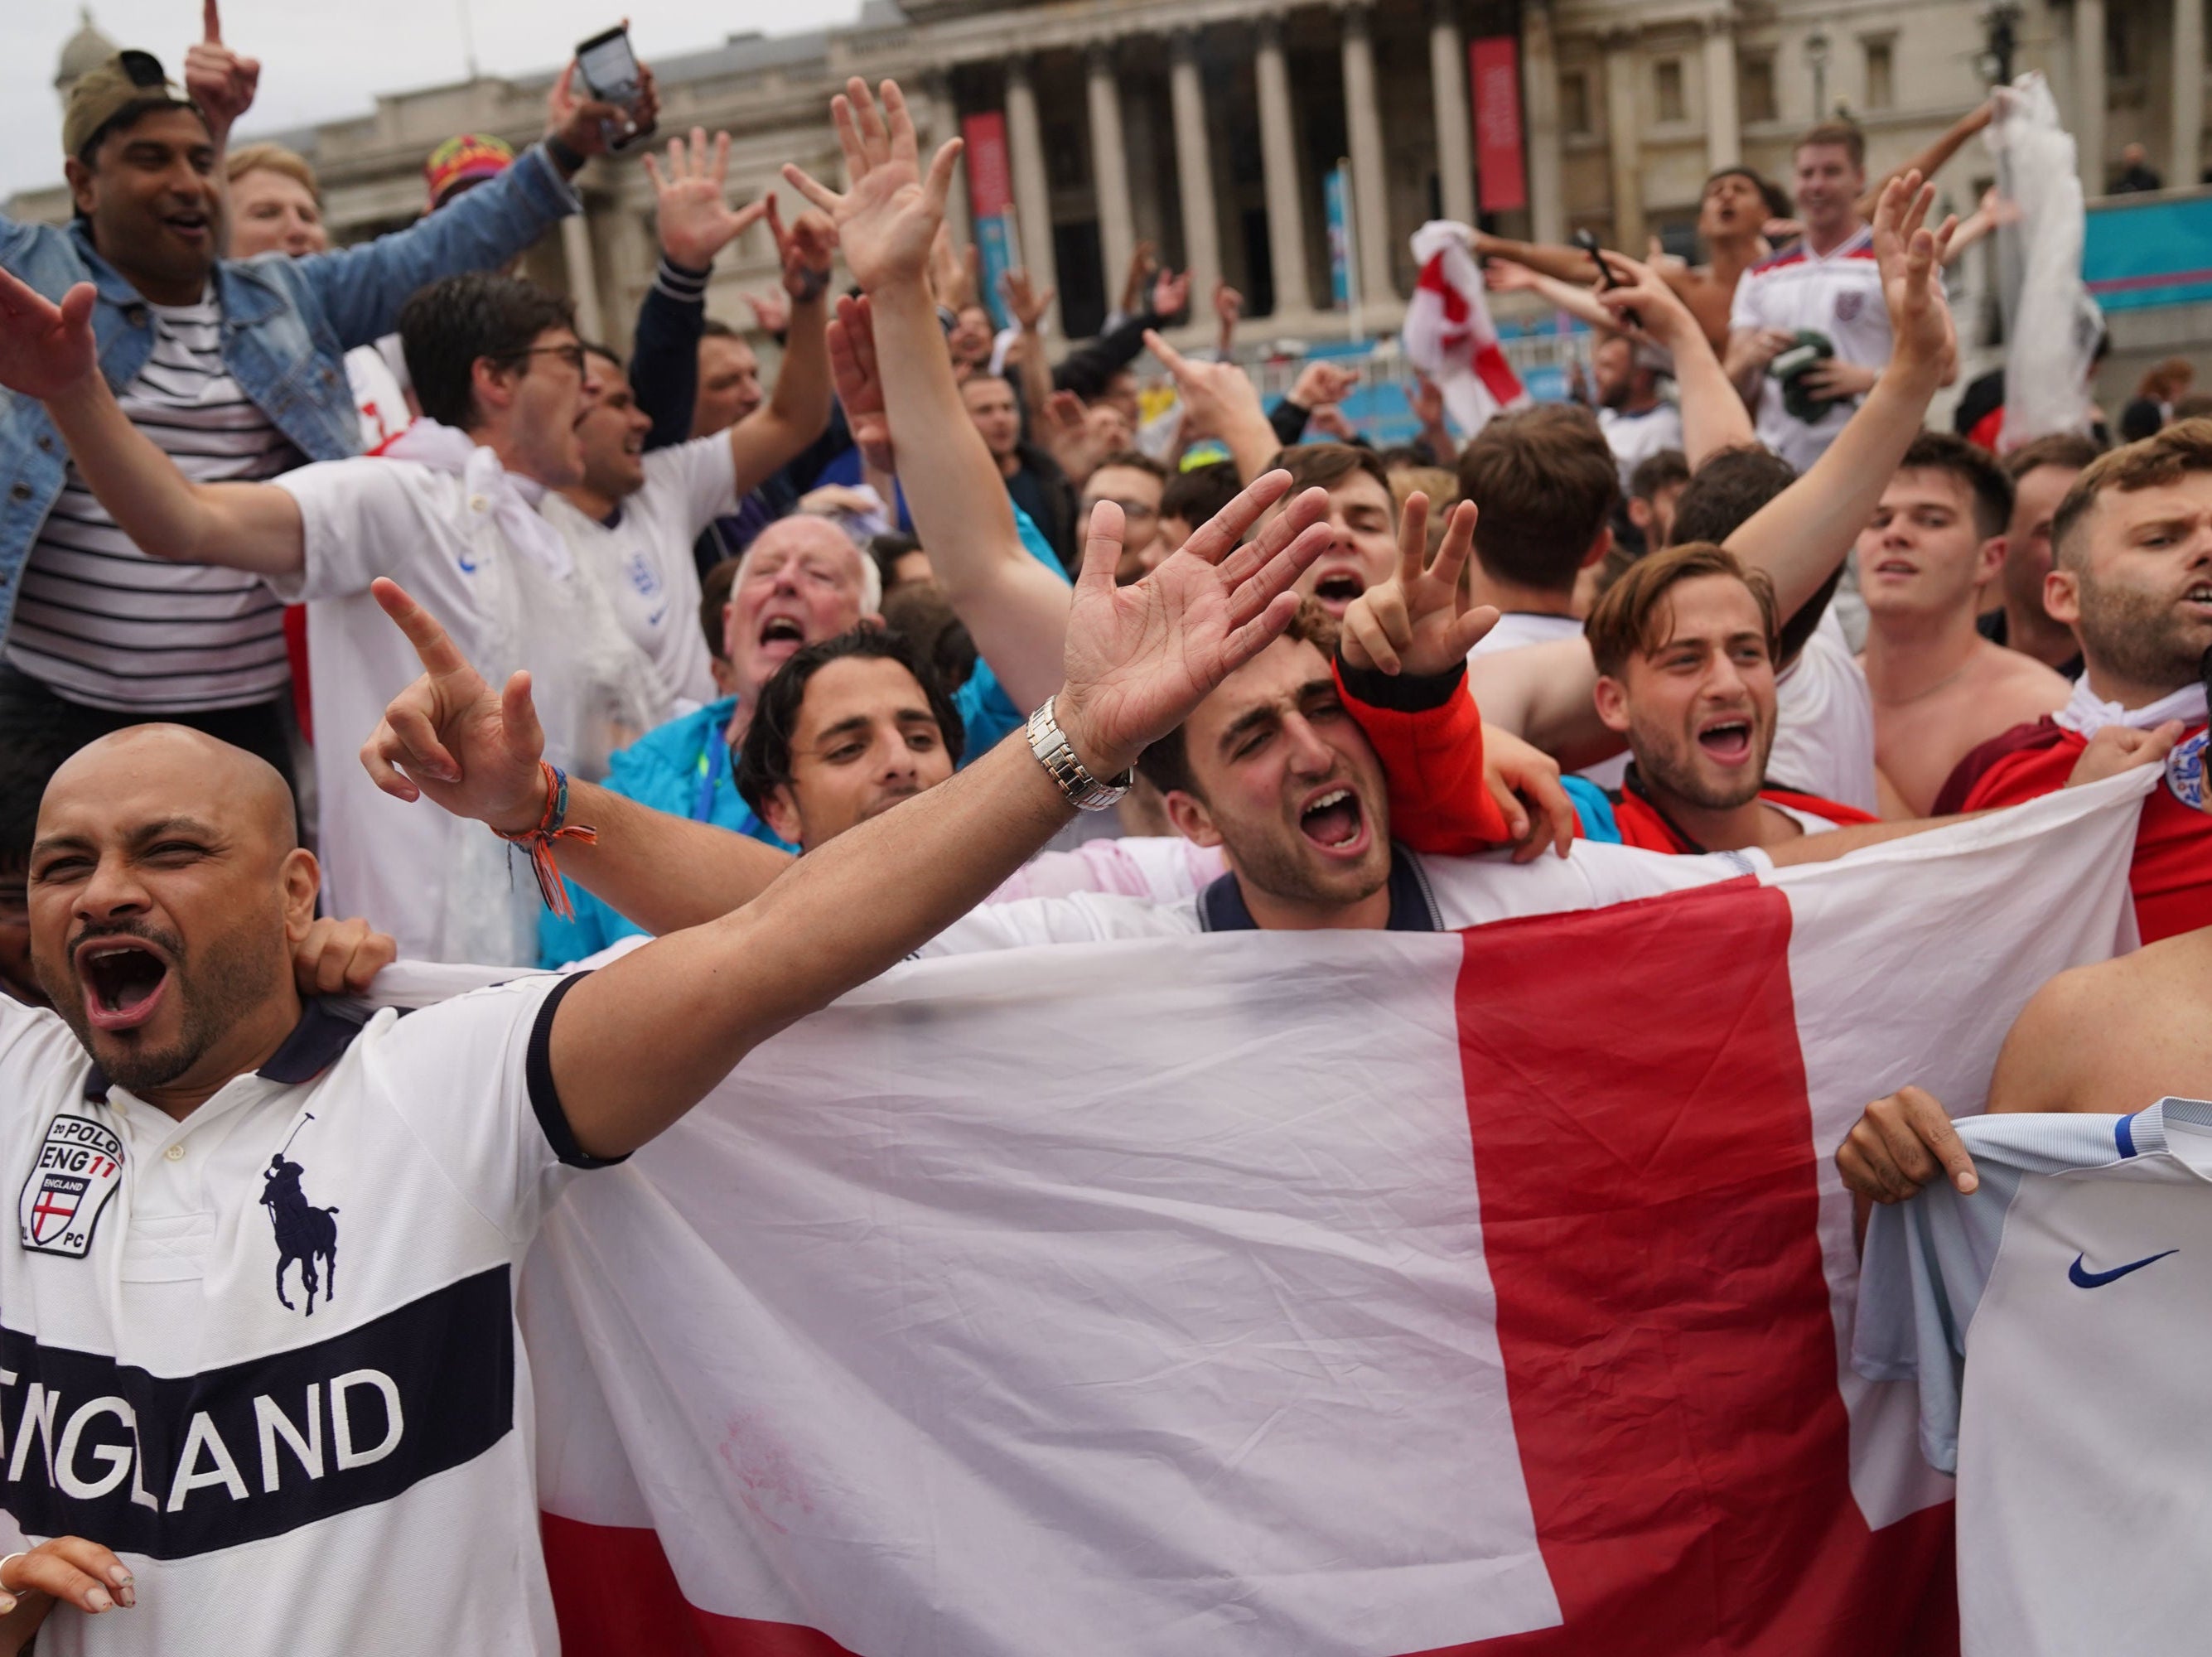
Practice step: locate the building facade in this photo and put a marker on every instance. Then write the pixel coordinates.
(1208, 127)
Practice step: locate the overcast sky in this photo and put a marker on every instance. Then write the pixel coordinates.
(323, 60)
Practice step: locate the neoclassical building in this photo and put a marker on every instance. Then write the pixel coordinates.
(1209, 127)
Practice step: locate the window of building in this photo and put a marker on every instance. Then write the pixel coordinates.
(1667, 84)
(1755, 87)
(1881, 74)
(1575, 104)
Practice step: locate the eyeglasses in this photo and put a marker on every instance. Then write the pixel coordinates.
(571, 354)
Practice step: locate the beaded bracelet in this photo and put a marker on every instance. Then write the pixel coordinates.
(538, 841)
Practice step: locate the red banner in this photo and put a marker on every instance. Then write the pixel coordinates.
(1494, 66)
(990, 187)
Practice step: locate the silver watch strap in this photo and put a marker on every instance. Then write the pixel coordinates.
(1085, 791)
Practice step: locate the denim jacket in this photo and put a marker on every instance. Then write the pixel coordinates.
(286, 326)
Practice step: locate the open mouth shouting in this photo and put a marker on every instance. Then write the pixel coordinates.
(1727, 739)
(1337, 588)
(1333, 821)
(124, 980)
(780, 637)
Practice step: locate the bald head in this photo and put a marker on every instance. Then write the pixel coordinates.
(199, 775)
(167, 888)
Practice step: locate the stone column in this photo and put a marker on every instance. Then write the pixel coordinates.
(1362, 121)
(1032, 189)
(1110, 169)
(2089, 91)
(583, 276)
(1455, 129)
(1624, 142)
(2185, 162)
(1539, 113)
(1202, 230)
(1278, 163)
(1723, 126)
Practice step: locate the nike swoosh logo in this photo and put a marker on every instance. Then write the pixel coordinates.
(2081, 1279)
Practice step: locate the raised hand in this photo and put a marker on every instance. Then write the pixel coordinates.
(771, 310)
(1139, 658)
(450, 736)
(1320, 383)
(1171, 294)
(219, 82)
(591, 126)
(886, 222)
(1646, 296)
(1215, 395)
(1328, 419)
(1419, 621)
(1022, 298)
(807, 250)
(1506, 277)
(1426, 402)
(858, 386)
(1909, 255)
(44, 349)
(696, 219)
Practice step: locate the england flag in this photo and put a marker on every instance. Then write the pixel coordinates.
(1447, 333)
(1365, 1293)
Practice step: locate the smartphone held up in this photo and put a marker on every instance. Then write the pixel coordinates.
(610, 73)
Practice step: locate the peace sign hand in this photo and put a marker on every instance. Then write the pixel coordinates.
(886, 222)
(696, 218)
(1419, 622)
(470, 749)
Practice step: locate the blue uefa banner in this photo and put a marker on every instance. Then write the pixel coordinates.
(1336, 198)
(995, 236)
(2155, 252)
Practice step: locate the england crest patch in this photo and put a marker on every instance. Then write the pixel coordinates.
(77, 1169)
(1848, 306)
(2185, 771)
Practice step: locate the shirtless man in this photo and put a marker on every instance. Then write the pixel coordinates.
(1940, 689)
(1731, 218)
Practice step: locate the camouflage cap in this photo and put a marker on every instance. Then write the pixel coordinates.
(126, 80)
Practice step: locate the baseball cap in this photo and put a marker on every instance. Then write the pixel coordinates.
(128, 80)
(461, 161)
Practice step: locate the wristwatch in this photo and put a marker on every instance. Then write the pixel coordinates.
(1085, 791)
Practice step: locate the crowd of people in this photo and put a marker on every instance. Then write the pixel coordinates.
(317, 563)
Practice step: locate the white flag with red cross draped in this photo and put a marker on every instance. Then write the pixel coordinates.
(1366, 1293)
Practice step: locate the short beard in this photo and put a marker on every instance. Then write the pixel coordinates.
(1661, 763)
(2135, 637)
(232, 981)
(1281, 874)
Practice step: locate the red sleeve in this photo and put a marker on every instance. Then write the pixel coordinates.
(1432, 761)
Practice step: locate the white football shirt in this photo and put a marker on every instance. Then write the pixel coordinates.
(1823, 723)
(1839, 295)
(2059, 1324)
(269, 1353)
(643, 562)
(442, 887)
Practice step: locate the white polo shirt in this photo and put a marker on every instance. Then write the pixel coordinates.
(1838, 292)
(642, 560)
(268, 1354)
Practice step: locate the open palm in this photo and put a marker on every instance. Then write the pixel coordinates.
(887, 221)
(45, 348)
(1139, 658)
(696, 218)
(1909, 255)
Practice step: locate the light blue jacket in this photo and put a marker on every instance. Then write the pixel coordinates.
(286, 326)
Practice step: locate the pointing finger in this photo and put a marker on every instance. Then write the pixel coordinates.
(820, 194)
(211, 23)
(440, 656)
